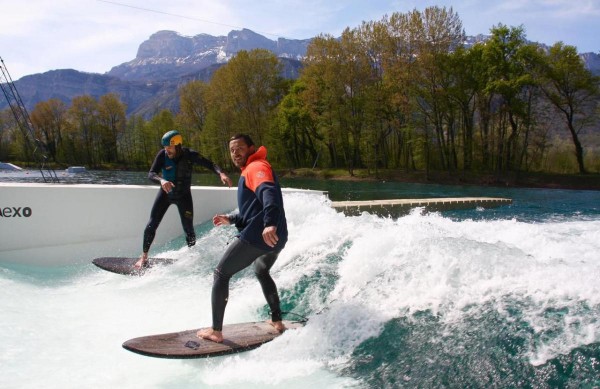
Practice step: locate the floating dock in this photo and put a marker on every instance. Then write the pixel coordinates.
(398, 207)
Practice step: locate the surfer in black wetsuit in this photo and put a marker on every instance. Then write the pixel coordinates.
(263, 233)
(172, 169)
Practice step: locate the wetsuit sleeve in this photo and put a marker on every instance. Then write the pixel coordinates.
(259, 179)
(267, 195)
(234, 219)
(157, 165)
(257, 173)
(197, 159)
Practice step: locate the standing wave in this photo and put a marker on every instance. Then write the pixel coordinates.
(429, 301)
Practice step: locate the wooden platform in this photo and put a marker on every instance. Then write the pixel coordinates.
(397, 207)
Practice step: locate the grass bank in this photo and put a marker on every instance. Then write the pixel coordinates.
(520, 179)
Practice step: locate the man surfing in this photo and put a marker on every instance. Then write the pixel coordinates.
(172, 169)
(262, 235)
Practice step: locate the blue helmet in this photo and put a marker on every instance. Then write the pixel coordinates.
(172, 138)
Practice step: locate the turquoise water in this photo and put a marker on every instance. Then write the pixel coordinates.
(504, 297)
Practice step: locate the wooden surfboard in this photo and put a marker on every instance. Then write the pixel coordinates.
(125, 266)
(186, 345)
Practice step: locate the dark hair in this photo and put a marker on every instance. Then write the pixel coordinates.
(245, 137)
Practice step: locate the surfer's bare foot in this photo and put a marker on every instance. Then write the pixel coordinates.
(210, 334)
(277, 324)
(142, 262)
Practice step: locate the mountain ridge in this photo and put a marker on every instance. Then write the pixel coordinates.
(167, 60)
(168, 54)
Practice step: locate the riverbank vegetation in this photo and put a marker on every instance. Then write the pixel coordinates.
(401, 96)
(590, 181)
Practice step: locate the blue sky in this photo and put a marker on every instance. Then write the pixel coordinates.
(94, 35)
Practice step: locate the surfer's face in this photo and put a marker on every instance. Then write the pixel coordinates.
(171, 151)
(240, 152)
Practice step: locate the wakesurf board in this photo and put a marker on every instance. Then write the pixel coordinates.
(186, 345)
(121, 265)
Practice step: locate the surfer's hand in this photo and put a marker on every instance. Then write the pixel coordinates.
(226, 180)
(219, 220)
(270, 236)
(167, 186)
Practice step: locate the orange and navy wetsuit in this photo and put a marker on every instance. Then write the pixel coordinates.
(260, 204)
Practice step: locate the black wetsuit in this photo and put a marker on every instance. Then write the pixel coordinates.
(179, 172)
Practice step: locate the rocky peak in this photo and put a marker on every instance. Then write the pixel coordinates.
(592, 62)
(167, 54)
(165, 44)
(248, 40)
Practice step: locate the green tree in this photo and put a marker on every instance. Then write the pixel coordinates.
(340, 80)
(324, 89)
(399, 69)
(135, 147)
(111, 125)
(49, 119)
(192, 115)
(573, 90)
(83, 134)
(437, 31)
(242, 97)
(463, 65)
(510, 62)
(7, 135)
(298, 136)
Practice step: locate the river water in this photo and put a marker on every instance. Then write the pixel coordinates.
(504, 297)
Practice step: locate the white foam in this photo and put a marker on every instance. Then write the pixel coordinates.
(363, 271)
